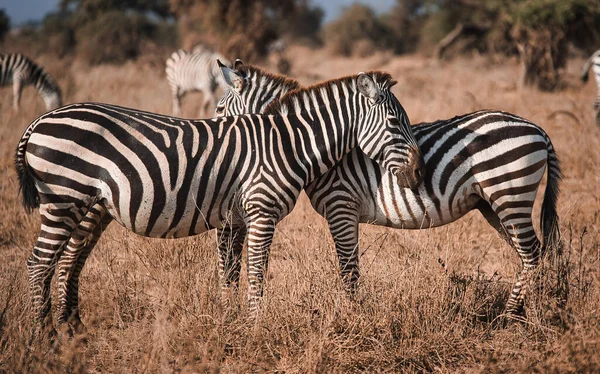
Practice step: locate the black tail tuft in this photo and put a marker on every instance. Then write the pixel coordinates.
(31, 199)
(549, 215)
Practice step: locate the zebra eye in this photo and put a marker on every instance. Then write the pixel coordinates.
(220, 109)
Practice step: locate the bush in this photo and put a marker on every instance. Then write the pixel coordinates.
(112, 37)
(4, 24)
(357, 22)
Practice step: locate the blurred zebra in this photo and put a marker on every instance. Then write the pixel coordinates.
(85, 165)
(594, 62)
(488, 160)
(20, 70)
(194, 71)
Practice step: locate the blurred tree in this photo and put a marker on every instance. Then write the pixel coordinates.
(239, 28)
(537, 30)
(104, 31)
(4, 24)
(406, 20)
(357, 23)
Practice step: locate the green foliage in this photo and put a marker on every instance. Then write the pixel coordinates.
(113, 37)
(4, 24)
(357, 23)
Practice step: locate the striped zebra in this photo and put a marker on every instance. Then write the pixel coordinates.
(20, 70)
(194, 71)
(86, 165)
(488, 160)
(594, 62)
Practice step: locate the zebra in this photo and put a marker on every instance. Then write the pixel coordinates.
(86, 165)
(488, 160)
(194, 71)
(20, 70)
(594, 62)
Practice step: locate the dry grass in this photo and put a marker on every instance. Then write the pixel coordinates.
(152, 305)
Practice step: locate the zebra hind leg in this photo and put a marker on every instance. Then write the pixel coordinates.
(230, 245)
(57, 226)
(17, 89)
(516, 227)
(71, 262)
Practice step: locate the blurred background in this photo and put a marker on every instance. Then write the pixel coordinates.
(541, 34)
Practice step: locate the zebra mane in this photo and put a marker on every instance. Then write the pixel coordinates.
(249, 71)
(292, 100)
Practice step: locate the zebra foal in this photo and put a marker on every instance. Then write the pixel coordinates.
(86, 165)
(594, 63)
(488, 160)
(194, 71)
(21, 71)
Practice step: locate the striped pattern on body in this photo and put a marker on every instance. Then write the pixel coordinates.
(488, 160)
(86, 165)
(194, 71)
(594, 63)
(20, 71)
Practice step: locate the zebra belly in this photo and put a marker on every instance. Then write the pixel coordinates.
(402, 208)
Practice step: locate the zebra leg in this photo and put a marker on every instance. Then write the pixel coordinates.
(17, 88)
(56, 228)
(230, 245)
(515, 226)
(71, 262)
(260, 235)
(209, 99)
(176, 102)
(343, 225)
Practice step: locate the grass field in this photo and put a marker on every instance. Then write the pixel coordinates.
(428, 301)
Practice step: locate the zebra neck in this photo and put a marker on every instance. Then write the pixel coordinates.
(318, 143)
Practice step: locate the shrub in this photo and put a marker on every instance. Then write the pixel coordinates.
(357, 22)
(4, 24)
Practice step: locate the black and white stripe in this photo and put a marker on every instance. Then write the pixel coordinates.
(85, 165)
(488, 160)
(194, 71)
(20, 71)
(594, 63)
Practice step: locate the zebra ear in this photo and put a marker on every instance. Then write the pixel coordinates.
(367, 87)
(238, 64)
(233, 79)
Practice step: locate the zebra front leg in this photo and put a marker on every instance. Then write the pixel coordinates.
(260, 235)
(71, 263)
(17, 89)
(230, 245)
(343, 225)
(56, 228)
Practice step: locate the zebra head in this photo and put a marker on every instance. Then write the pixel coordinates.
(250, 89)
(392, 145)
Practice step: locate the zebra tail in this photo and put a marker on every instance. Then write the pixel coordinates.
(549, 215)
(31, 198)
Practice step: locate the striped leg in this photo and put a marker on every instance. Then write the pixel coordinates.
(230, 245)
(514, 224)
(57, 224)
(176, 93)
(71, 262)
(597, 109)
(343, 225)
(260, 235)
(17, 88)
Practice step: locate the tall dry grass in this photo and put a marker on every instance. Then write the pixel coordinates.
(428, 300)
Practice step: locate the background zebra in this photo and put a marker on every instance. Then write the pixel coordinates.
(488, 160)
(194, 71)
(86, 165)
(594, 63)
(20, 70)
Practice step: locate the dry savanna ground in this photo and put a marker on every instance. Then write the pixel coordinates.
(429, 299)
